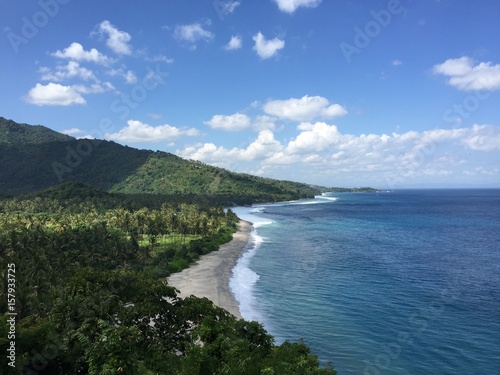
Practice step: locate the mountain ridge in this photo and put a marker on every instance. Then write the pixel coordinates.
(34, 158)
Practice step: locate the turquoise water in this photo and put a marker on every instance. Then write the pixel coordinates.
(403, 282)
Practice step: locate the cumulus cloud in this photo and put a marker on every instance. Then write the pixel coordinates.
(465, 75)
(193, 33)
(290, 6)
(137, 131)
(234, 43)
(54, 94)
(235, 122)
(314, 138)
(76, 52)
(264, 122)
(306, 108)
(267, 48)
(484, 138)
(63, 72)
(116, 40)
(320, 150)
(265, 145)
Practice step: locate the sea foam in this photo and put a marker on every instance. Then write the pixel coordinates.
(243, 279)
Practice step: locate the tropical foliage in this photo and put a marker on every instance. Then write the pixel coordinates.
(91, 295)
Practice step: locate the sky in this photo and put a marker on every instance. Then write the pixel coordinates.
(390, 94)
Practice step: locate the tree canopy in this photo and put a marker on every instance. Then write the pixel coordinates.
(91, 295)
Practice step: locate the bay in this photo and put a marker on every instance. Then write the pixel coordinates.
(402, 282)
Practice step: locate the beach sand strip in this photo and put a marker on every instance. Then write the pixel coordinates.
(209, 276)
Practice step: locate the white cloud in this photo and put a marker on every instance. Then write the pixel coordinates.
(235, 122)
(193, 33)
(306, 108)
(265, 145)
(483, 138)
(314, 138)
(264, 122)
(117, 40)
(396, 62)
(57, 94)
(128, 75)
(267, 48)
(466, 76)
(207, 152)
(290, 6)
(224, 8)
(235, 43)
(54, 94)
(320, 152)
(63, 72)
(454, 67)
(76, 52)
(136, 131)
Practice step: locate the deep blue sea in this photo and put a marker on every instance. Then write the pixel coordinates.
(402, 282)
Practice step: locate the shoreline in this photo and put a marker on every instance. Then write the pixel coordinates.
(209, 276)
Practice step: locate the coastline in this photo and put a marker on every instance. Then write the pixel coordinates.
(209, 276)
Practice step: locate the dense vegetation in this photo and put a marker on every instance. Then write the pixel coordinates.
(14, 133)
(91, 296)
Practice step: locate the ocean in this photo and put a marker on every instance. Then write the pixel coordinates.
(400, 282)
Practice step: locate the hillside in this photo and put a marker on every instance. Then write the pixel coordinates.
(13, 133)
(34, 158)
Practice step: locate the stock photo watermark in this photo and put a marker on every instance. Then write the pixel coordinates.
(31, 26)
(11, 313)
(364, 36)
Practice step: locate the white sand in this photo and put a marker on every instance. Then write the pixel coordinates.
(209, 276)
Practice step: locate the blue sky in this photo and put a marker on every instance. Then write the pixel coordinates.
(391, 94)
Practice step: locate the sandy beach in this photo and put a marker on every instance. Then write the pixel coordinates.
(209, 276)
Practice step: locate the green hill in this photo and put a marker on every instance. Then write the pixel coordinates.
(13, 133)
(34, 158)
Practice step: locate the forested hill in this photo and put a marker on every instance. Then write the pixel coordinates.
(13, 133)
(33, 158)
